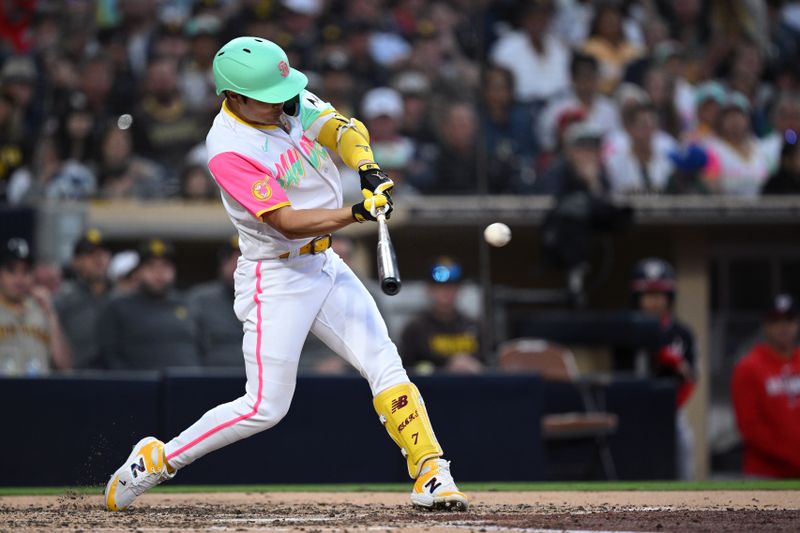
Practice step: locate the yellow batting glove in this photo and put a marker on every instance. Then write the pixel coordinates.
(368, 209)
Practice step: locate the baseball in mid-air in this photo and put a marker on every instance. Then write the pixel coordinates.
(497, 234)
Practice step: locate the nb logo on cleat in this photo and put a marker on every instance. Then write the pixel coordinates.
(399, 403)
(433, 485)
(138, 467)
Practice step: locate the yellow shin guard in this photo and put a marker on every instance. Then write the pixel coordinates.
(402, 412)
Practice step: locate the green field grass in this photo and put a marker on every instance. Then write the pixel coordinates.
(742, 484)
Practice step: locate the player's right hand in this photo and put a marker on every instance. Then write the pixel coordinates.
(368, 209)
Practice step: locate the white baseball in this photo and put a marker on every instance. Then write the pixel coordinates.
(497, 234)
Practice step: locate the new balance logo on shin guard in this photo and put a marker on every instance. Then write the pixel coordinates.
(399, 403)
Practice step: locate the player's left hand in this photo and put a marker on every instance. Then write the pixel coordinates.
(368, 209)
(375, 181)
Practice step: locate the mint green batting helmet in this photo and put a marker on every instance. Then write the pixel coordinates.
(257, 68)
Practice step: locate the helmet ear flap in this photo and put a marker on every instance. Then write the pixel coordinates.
(291, 106)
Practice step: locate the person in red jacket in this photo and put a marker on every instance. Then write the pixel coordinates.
(766, 396)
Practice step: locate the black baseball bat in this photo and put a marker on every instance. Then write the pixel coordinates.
(388, 273)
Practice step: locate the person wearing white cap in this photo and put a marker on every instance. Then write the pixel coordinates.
(122, 272)
(382, 109)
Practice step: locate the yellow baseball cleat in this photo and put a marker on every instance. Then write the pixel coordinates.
(144, 469)
(435, 488)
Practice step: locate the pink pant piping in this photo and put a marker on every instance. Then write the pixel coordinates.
(229, 423)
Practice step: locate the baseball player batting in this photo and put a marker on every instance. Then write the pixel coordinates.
(283, 193)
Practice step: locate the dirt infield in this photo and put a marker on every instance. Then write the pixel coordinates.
(712, 511)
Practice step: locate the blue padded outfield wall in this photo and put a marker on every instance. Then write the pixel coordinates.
(76, 430)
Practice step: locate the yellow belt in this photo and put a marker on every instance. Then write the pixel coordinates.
(317, 245)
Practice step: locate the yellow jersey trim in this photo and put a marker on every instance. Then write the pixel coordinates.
(273, 208)
(230, 113)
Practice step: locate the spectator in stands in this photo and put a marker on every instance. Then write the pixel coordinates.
(31, 340)
(123, 174)
(149, 329)
(574, 20)
(98, 79)
(538, 59)
(440, 337)
(48, 177)
(670, 58)
(211, 307)
(382, 111)
(452, 167)
(81, 300)
(415, 88)
(18, 78)
(737, 161)
(638, 160)
(765, 389)
(76, 134)
(197, 184)
(123, 273)
(14, 147)
(786, 180)
(47, 273)
(653, 290)
(607, 43)
(579, 168)
(744, 77)
(137, 24)
(337, 83)
(196, 77)
(84, 110)
(357, 40)
(785, 124)
(507, 130)
(600, 111)
(163, 125)
(709, 99)
(660, 87)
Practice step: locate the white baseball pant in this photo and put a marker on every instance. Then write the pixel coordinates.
(279, 301)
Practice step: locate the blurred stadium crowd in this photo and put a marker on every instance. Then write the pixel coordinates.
(112, 98)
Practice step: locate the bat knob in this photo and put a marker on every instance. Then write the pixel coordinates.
(390, 286)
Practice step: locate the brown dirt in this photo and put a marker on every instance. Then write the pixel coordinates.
(773, 511)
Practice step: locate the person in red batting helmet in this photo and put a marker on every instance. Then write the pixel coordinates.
(653, 289)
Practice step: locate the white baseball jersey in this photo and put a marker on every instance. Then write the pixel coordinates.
(262, 168)
(280, 300)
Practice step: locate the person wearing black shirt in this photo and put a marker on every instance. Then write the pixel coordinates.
(441, 337)
(785, 180)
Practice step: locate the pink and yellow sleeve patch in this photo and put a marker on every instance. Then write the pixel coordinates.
(249, 182)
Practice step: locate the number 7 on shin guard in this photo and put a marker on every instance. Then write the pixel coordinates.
(402, 412)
